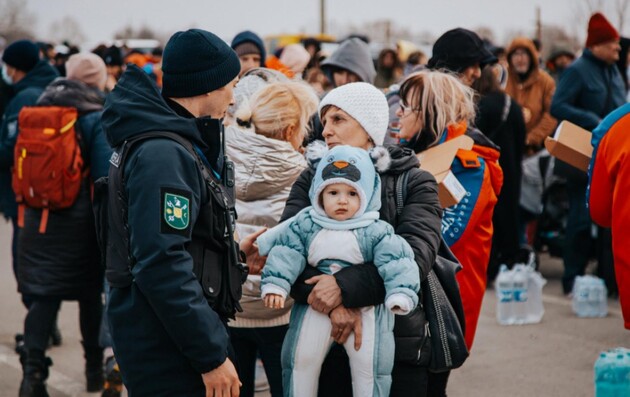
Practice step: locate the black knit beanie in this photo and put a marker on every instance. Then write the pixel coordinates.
(196, 62)
(458, 49)
(22, 55)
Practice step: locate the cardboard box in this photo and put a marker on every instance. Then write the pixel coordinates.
(571, 144)
(437, 160)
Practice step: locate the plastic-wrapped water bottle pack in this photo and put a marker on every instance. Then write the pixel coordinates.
(519, 294)
(612, 373)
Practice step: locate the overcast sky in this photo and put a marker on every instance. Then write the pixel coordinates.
(99, 19)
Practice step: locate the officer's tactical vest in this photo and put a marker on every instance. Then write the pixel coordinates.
(213, 249)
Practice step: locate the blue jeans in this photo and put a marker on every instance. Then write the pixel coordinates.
(248, 343)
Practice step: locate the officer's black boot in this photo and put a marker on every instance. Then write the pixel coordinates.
(94, 368)
(35, 368)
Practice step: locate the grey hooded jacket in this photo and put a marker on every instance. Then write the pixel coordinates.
(352, 55)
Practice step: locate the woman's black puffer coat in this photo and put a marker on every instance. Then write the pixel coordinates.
(419, 224)
(64, 262)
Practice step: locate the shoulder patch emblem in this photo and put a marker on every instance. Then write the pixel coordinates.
(176, 210)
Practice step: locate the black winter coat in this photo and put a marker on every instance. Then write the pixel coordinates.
(509, 134)
(166, 335)
(419, 224)
(64, 262)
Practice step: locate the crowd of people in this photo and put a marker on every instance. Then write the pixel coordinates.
(239, 207)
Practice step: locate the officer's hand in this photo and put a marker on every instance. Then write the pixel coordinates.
(326, 295)
(344, 322)
(248, 245)
(222, 381)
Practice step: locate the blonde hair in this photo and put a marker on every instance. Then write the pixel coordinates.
(440, 99)
(277, 106)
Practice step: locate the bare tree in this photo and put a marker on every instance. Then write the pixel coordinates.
(621, 9)
(16, 22)
(67, 29)
(486, 33)
(128, 32)
(556, 38)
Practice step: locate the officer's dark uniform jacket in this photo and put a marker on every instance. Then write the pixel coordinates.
(164, 331)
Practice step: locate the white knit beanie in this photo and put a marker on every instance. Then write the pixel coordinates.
(365, 103)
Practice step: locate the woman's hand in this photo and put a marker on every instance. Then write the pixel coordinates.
(344, 322)
(248, 245)
(326, 294)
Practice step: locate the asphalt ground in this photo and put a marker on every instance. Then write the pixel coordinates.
(554, 358)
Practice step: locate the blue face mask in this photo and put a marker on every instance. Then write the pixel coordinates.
(5, 76)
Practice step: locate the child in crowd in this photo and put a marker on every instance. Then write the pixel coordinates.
(341, 228)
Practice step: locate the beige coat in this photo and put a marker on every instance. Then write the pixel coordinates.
(533, 95)
(265, 171)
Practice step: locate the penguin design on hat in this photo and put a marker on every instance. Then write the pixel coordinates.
(354, 167)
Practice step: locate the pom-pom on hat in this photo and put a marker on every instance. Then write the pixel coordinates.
(22, 55)
(600, 30)
(196, 62)
(364, 103)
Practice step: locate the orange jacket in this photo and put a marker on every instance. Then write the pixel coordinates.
(467, 226)
(533, 94)
(609, 197)
(275, 64)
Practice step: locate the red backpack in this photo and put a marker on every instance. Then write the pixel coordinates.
(47, 167)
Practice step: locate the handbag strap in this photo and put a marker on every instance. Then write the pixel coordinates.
(401, 192)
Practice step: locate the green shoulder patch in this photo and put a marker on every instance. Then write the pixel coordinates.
(175, 210)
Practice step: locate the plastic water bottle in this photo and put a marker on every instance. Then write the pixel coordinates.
(598, 298)
(612, 373)
(590, 297)
(604, 376)
(520, 305)
(581, 296)
(505, 296)
(535, 309)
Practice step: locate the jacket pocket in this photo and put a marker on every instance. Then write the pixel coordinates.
(411, 333)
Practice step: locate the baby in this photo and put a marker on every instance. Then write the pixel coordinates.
(341, 228)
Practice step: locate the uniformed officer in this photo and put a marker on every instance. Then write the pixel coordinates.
(171, 257)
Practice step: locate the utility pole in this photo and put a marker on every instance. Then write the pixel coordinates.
(538, 25)
(322, 16)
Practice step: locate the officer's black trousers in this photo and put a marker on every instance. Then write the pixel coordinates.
(41, 319)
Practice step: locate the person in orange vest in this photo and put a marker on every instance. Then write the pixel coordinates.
(436, 107)
(608, 194)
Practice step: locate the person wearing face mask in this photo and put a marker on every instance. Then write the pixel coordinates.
(28, 76)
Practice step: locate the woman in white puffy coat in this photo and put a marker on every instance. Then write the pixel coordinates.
(265, 145)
